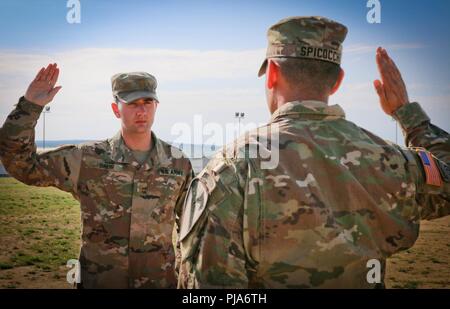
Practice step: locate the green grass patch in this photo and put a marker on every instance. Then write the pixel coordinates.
(38, 226)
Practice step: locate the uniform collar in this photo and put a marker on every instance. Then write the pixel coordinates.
(309, 109)
(120, 153)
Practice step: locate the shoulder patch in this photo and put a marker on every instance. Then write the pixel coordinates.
(194, 206)
(432, 173)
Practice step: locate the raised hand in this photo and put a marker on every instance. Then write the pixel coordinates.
(391, 89)
(42, 89)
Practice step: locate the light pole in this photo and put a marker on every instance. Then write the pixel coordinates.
(45, 111)
(396, 130)
(239, 116)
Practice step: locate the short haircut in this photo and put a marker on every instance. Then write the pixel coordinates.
(319, 76)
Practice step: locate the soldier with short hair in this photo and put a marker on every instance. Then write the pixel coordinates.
(339, 195)
(128, 186)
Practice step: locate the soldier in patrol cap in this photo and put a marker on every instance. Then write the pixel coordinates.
(128, 186)
(339, 196)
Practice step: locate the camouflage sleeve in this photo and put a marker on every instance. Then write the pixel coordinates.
(434, 200)
(58, 168)
(178, 210)
(211, 234)
(419, 132)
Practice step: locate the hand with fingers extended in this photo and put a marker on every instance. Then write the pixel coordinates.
(391, 89)
(42, 89)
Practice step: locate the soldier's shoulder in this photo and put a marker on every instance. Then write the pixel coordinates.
(207, 192)
(65, 149)
(430, 173)
(214, 188)
(170, 147)
(175, 155)
(224, 172)
(96, 147)
(249, 145)
(235, 157)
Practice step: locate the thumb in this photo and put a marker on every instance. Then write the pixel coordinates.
(378, 87)
(53, 92)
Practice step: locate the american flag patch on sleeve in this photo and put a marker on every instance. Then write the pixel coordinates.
(433, 177)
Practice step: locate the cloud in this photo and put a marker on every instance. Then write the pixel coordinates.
(190, 81)
(89, 70)
(168, 65)
(214, 84)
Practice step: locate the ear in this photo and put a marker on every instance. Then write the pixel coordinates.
(273, 72)
(338, 82)
(115, 109)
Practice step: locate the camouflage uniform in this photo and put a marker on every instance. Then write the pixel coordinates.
(339, 197)
(127, 208)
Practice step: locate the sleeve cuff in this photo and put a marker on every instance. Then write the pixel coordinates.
(29, 107)
(410, 116)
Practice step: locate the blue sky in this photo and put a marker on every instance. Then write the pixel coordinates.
(205, 55)
(201, 24)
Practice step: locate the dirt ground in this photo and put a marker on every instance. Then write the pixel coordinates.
(39, 232)
(426, 264)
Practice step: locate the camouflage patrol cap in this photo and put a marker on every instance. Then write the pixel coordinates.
(311, 37)
(134, 85)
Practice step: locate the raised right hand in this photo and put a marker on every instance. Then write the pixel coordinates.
(42, 89)
(391, 89)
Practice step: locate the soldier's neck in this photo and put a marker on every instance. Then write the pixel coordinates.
(137, 141)
(291, 97)
(282, 99)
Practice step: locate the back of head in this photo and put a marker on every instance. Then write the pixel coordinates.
(308, 51)
(315, 75)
